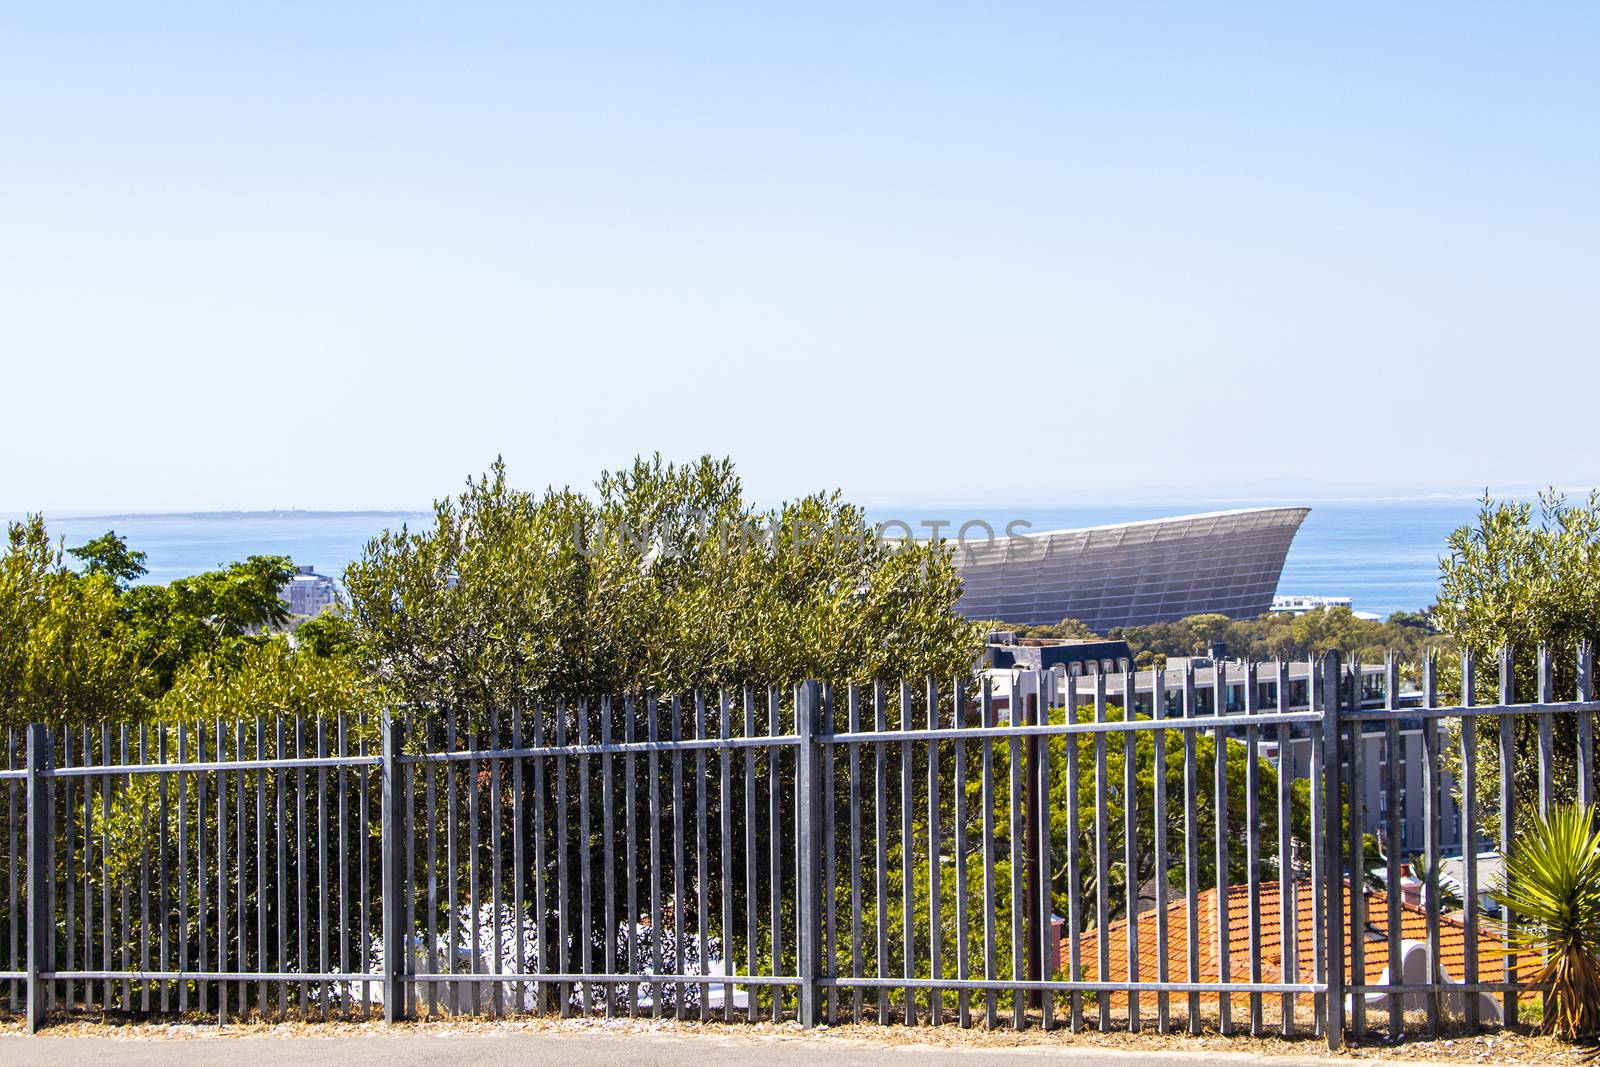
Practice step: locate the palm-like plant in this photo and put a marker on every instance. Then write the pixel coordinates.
(1552, 888)
(1450, 891)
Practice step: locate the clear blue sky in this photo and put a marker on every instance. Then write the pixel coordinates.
(340, 255)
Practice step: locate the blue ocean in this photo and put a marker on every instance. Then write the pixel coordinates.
(1384, 555)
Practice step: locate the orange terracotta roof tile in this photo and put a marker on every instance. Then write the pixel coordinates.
(1452, 940)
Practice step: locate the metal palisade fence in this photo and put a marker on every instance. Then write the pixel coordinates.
(1026, 854)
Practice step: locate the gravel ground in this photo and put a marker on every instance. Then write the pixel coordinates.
(625, 1041)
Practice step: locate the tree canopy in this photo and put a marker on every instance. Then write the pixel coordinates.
(665, 578)
(89, 646)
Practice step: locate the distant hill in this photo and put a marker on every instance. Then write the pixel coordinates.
(291, 513)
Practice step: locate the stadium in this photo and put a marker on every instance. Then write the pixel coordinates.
(1131, 574)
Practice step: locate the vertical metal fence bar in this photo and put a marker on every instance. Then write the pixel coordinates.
(519, 867)
(395, 888)
(1288, 909)
(260, 834)
(1219, 788)
(1468, 786)
(324, 813)
(1158, 811)
(1333, 955)
(724, 847)
(809, 726)
(630, 777)
(1547, 750)
(88, 873)
(1130, 836)
(680, 896)
(123, 910)
(40, 921)
(241, 925)
(808, 874)
(183, 876)
(474, 861)
(302, 927)
(1357, 792)
(1015, 814)
(751, 883)
(1102, 853)
(853, 725)
(95, 794)
(1508, 796)
(1045, 913)
(496, 869)
(830, 942)
(1319, 815)
(496, 872)
(1547, 756)
(653, 773)
(541, 910)
(608, 834)
(91, 940)
(1431, 797)
(341, 784)
(880, 815)
(1585, 727)
(702, 857)
(282, 869)
(935, 851)
(1393, 767)
(1252, 832)
(774, 849)
(958, 720)
(69, 878)
(454, 993)
(563, 871)
(986, 771)
(409, 988)
(144, 873)
(908, 905)
(13, 920)
(585, 960)
(430, 802)
(223, 988)
(1191, 845)
(1074, 856)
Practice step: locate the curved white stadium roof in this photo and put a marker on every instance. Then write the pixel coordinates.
(1130, 574)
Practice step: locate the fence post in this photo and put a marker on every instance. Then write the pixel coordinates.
(808, 799)
(391, 841)
(1333, 840)
(40, 927)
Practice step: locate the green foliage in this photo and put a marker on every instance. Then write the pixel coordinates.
(66, 653)
(86, 647)
(1521, 578)
(328, 635)
(1089, 791)
(1552, 887)
(268, 678)
(1267, 637)
(211, 614)
(109, 555)
(667, 578)
(1514, 580)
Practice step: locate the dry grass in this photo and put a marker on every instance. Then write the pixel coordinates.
(1519, 1045)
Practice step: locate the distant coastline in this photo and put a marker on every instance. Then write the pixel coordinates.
(281, 513)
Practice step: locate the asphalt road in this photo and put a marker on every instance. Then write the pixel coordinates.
(570, 1050)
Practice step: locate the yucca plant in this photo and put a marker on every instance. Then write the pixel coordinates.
(1552, 889)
